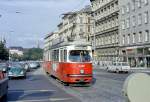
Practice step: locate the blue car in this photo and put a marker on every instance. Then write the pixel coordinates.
(16, 70)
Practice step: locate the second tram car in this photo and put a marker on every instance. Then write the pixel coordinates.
(70, 62)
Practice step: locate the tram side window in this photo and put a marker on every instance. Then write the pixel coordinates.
(65, 55)
(62, 55)
(55, 55)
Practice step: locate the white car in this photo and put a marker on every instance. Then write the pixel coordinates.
(118, 67)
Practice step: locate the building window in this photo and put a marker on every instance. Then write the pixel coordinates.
(123, 40)
(128, 8)
(139, 3)
(133, 21)
(146, 17)
(81, 28)
(113, 39)
(123, 10)
(89, 20)
(128, 23)
(140, 36)
(89, 28)
(123, 24)
(81, 19)
(133, 5)
(146, 35)
(145, 2)
(128, 39)
(134, 35)
(139, 19)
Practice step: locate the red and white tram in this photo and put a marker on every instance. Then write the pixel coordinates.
(70, 62)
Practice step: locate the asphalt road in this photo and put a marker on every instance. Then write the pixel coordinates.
(37, 88)
(107, 87)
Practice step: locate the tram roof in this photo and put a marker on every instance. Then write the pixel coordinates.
(70, 43)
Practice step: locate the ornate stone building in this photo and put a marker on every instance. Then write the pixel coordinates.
(134, 32)
(106, 29)
(76, 25)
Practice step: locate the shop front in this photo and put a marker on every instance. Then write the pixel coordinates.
(137, 57)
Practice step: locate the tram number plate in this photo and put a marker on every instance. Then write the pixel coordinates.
(82, 71)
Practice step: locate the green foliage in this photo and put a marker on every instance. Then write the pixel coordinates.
(16, 57)
(4, 54)
(33, 54)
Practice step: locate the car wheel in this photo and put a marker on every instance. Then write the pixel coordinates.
(25, 77)
(107, 69)
(117, 71)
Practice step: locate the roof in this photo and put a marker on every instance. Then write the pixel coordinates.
(16, 48)
(50, 34)
(86, 9)
(92, 0)
(80, 42)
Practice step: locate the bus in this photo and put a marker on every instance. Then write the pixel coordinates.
(70, 62)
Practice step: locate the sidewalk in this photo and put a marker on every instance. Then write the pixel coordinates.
(140, 69)
(133, 69)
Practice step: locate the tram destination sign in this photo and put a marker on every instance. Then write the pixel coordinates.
(81, 47)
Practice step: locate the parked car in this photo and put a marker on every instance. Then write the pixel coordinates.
(33, 65)
(16, 70)
(26, 67)
(3, 86)
(3, 67)
(118, 67)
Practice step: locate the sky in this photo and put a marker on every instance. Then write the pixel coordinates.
(25, 22)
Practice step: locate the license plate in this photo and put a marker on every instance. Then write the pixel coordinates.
(82, 71)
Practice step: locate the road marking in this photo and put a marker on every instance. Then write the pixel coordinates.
(43, 100)
(59, 99)
(28, 91)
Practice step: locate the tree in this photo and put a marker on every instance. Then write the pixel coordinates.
(4, 53)
(33, 54)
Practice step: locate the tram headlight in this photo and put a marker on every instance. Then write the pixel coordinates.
(82, 71)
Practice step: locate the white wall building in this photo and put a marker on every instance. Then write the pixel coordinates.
(106, 16)
(76, 25)
(16, 50)
(135, 32)
(48, 42)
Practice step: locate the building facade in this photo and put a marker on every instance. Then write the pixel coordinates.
(134, 32)
(48, 42)
(76, 25)
(106, 29)
(16, 50)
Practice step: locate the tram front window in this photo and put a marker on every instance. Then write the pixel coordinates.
(79, 56)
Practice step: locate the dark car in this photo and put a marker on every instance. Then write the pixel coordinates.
(3, 86)
(16, 70)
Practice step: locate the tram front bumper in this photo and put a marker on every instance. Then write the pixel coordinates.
(72, 78)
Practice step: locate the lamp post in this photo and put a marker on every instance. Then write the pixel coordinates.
(9, 37)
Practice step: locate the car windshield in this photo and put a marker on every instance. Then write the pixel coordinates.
(16, 65)
(79, 56)
(3, 65)
(121, 64)
(124, 64)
